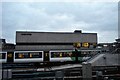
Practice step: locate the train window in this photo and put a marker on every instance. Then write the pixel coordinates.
(20, 55)
(52, 54)
(2, 55)
(36, 54)
(40, 54)
(16, 55)
(64, 54)
(60, 54)
(28, 55)
(55, 54)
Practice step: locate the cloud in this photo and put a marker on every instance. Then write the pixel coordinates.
(54, 16)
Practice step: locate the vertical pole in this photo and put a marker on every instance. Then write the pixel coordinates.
(9, 73)
(118, 30)
(99, 75)
(76, 54)
(0, 73)
(59, 75)
(4, 75)
(76, 46)
(118, 20)
(0, 68)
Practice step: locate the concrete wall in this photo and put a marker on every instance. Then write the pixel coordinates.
(106, 60)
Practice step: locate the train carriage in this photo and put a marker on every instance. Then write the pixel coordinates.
(60, 55)
(64, 56)
(71, 55)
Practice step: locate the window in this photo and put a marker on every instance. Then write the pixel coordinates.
(60, 54)
(19, 55)
(2, 55)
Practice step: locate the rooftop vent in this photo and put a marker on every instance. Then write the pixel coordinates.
(78, 31)
(2, 41)
(118, 40)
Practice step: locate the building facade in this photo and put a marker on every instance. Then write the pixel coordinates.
(46, 41)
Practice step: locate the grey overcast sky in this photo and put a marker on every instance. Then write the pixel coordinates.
(97, 17)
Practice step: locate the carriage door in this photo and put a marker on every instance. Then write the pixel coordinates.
(46, 55)
(10, 57)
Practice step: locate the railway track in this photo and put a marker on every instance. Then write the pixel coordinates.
(66, 73)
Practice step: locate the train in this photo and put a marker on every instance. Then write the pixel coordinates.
(46, 56)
